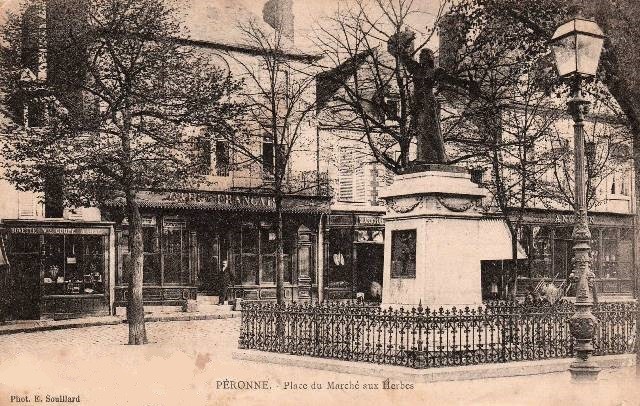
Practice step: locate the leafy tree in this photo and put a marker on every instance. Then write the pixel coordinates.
(122, 96)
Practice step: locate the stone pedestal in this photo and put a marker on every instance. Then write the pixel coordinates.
(440, 206)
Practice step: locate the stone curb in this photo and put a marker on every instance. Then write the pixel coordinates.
(469, 372)
(110, 321)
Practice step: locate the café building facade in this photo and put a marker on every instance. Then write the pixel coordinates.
(221, 245)
(546, 238)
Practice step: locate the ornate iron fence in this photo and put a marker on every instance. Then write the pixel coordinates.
(423, 338)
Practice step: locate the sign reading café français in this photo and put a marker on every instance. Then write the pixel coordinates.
(223, 199)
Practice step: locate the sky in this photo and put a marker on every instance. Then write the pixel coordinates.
(210, 19)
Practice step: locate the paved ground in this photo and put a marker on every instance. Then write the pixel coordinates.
(188, 363)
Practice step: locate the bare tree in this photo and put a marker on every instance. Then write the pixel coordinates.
(608, 149)
(369, 86)
(498, 45)
(279, 107)
(121, 93)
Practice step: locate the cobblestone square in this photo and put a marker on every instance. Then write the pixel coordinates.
(190, 363)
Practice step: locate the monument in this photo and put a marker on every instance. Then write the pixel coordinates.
(432, 224)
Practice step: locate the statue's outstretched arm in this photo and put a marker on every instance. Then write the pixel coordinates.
(412, 66)
(467, 84)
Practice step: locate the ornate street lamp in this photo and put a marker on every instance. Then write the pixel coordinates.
(577, 45)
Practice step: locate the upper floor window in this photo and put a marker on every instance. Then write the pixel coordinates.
(477, 175)
(272, 155)
(391, 108)
(203, 148)
(268, 156)
(222, 158)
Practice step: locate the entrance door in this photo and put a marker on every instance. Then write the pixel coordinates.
(212, 249)
(369, 267)
(24, 288)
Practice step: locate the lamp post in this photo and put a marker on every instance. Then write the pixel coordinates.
(577, 45)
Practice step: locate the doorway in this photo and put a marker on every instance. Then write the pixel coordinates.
(369, 267)
(23, 288)
(212, 262)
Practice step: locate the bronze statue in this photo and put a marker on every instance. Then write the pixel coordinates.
(425, 109)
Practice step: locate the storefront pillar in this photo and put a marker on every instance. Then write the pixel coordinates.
(320, 259)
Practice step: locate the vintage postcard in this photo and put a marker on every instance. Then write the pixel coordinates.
(314, 202)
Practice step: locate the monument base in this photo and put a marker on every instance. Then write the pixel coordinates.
(432, 230)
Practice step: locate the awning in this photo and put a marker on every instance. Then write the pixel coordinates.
(495, 241)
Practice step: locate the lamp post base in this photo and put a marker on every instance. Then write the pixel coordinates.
(584, 371)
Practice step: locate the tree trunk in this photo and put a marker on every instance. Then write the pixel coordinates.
(135, 309)
(279, 252)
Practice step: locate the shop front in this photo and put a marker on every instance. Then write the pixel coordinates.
(221, 246)
(355, 248)
(58, 269)
(546, 238)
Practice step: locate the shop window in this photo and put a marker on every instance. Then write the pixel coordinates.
(253, 254)
(73, 264)
(340, 249)
(268, 249)
(625, 253)
(151, 267)
(175, 252)
(540, 252)
(562, 254)
(610, 254)
(249, 253)
(173, 245)
(403, 254)
(24, 244)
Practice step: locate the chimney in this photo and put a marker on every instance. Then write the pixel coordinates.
(279, 15)
(452, 38)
